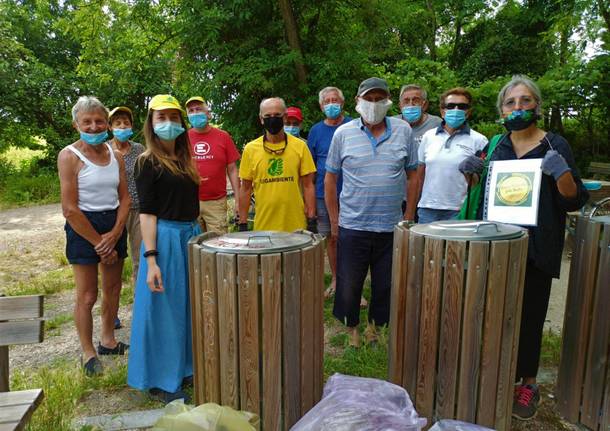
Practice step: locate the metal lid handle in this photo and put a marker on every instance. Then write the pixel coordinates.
(486, 224)
(259, 236)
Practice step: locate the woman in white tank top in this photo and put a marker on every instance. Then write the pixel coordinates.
(95, 203)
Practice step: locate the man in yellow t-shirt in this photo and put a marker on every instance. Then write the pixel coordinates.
(275, 166)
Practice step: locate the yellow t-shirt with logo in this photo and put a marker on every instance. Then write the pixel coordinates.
(275, 180)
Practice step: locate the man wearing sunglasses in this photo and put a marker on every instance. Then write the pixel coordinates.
(274, 166)
(443, 187)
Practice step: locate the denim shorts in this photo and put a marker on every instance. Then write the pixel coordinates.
(79, 251)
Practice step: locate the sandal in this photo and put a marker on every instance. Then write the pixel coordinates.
(93, 367)
(120, 349)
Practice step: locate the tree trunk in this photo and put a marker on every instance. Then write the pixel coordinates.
(292, 34)
(556, 125)
(604, 10)
(433, 27)
(456, 42)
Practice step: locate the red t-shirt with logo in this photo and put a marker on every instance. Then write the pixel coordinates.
(212, 152)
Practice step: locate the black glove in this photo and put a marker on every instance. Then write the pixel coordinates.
(242, 227)
(312, 225)
(471, 165)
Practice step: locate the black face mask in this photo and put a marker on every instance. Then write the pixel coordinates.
(519, 120)
(273, 125)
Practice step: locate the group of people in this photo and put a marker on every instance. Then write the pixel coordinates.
(352, 180)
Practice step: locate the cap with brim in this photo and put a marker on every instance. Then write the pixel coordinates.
(118, 109)
(294, 112)
(164, 101)
(194, 99)
(373, 84)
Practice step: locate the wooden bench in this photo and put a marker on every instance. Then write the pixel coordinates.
(20, 323)
(598, 168)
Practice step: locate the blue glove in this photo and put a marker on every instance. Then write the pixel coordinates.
(554, 164)
(471, 165)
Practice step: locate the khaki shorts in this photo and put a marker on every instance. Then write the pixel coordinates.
(135, 239)
(213, 215)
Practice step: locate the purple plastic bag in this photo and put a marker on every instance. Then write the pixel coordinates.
(361, 404)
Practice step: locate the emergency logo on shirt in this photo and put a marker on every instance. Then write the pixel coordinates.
(276, 167)
(201, 148)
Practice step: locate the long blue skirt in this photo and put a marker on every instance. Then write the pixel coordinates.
(161, 351)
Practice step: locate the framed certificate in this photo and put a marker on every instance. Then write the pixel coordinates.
(513, 191)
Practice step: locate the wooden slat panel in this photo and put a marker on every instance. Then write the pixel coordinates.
(472, 330)
(197, 321)
(510, 325)
(16, 408)
(492, 332)
(451, 317)
(291, 333)
(599, 338)
(21, 307)
(415, 259)
(247, 270)
(227, 330)
(211, 348)
(307, 352)
(4, 370)
(397, 305)
(271, 273)
(604, 422)
(576, 319)
(318, 381)
(428, 331)
(21, 332)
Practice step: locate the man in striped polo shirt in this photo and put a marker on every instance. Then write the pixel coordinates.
(375, 154)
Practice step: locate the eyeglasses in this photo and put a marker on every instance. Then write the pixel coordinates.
(525, 102)
(462, 106)
(277, 152)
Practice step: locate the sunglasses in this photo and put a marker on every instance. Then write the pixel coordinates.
(462, 106)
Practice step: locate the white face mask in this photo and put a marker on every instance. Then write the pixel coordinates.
(373, 112)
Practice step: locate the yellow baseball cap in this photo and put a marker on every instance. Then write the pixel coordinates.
(164, 101)
(194, 99)
(121, 109)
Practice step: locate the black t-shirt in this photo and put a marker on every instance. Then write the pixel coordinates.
(168, 196)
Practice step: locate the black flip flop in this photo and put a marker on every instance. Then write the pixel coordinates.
(120, 349)
(93, 367)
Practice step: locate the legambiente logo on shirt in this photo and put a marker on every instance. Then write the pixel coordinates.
(275, 169)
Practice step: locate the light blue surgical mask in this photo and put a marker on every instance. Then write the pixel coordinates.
(332, 110)
(122, 135)
(293, 130)
(168, 130)
(411, 113)
(455, 118)
(198, 120)
(94, 138)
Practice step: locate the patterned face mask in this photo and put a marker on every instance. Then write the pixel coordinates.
(519, 119)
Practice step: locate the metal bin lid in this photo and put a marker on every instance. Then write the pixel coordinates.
(257, 242)
(468, 230)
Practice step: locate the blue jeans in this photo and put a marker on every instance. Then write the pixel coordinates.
(428, 215)
(357, 251)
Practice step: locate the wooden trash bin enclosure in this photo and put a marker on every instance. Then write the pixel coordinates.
(457, 289)
(257, 312)
(583, 381)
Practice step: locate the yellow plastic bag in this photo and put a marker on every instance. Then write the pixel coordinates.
(206, 417)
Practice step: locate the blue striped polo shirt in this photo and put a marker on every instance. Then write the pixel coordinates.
(373, 169)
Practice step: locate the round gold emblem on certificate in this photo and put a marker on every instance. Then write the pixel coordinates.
(514, 189)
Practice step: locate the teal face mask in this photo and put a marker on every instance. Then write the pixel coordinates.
(332, 110)
(455, 118)
(198, 120)
(122, 135)
(411, 113)
(168, 130)
(293, 130)
(94, 138)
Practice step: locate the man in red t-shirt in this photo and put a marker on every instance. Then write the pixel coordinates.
(215, 155)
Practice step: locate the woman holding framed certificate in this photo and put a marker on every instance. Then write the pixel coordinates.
(560, 191)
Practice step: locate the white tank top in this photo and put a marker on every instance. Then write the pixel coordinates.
(98, 186)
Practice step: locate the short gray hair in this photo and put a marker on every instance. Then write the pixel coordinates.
(520, 80)
(88, 104)
(327, 90)
(424, 93)
(260, 108)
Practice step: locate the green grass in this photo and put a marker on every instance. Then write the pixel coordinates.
(44, 284)
(551, 349)
(52, 327)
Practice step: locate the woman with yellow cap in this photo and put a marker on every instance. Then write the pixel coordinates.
(161, 357)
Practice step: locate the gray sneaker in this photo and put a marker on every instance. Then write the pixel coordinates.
(525, 402)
